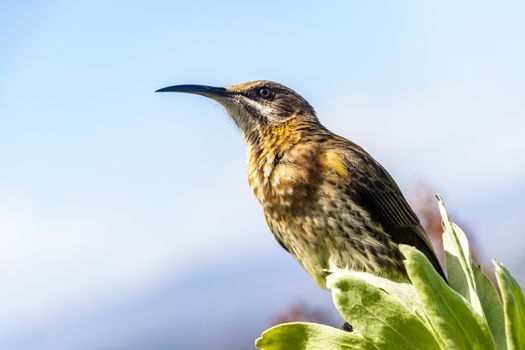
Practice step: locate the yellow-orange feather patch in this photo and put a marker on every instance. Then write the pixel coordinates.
(333, 160)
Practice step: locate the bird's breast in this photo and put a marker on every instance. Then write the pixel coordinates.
(311, 212)
(285, 182)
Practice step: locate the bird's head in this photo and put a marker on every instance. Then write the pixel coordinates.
(256, 107)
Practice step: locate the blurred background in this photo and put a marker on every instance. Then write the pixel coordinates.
(126, 221)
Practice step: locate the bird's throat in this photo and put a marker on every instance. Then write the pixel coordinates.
(278, 163)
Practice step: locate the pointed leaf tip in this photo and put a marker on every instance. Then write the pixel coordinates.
(513, 306)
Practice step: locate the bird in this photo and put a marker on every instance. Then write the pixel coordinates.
(328, 202)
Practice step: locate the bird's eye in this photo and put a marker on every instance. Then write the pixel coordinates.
(265, 92)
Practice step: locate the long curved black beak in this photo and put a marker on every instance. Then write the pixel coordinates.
(208, 91)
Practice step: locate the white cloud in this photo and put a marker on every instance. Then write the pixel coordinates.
(54, 259)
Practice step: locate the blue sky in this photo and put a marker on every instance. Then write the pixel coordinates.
(108, 190)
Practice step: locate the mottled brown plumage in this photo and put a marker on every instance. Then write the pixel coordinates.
(326, 200)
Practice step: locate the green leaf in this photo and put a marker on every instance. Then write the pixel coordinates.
(492, 307)
(378, 316)
(299, 336)
(456, 323)
(403, 291)
(458, 259)
(514, 307)
(468, 280)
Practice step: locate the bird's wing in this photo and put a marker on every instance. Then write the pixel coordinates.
(378, 193)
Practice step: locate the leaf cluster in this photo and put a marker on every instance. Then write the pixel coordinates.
(428, 313)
